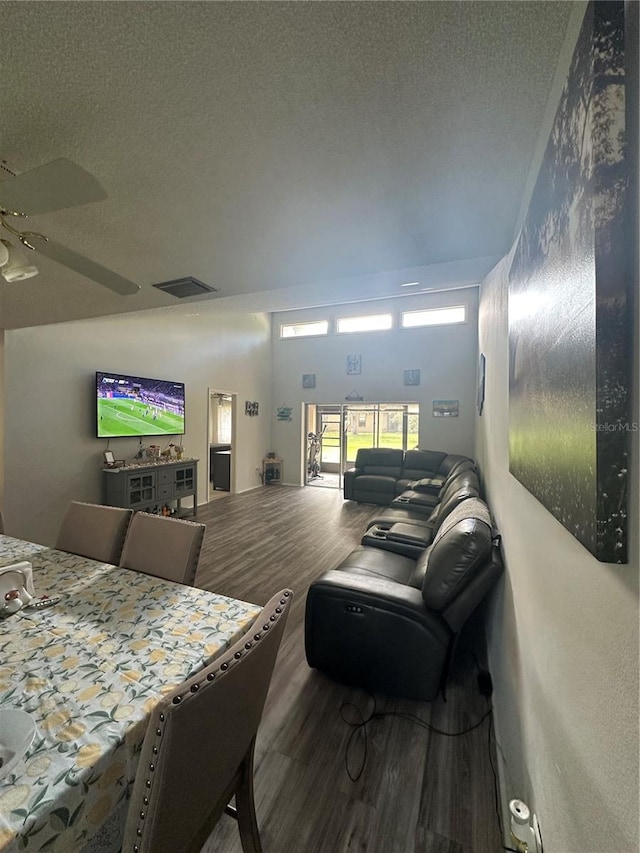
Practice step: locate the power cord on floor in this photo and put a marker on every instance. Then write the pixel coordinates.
(362, 723)
(357, 725)
(419, 722)
(485, 687)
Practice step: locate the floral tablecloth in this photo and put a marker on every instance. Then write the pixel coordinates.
(89, 670)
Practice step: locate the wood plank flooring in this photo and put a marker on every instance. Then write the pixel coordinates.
(419, 792)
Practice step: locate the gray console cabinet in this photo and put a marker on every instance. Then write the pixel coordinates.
(150, 487)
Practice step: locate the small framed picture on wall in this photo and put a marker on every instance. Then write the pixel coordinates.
(412, 377)
(446, 408)
(354, 365)
(482, 369)
(308, 380)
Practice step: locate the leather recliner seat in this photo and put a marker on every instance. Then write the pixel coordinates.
(388, 623)
(374, 478)
(409, 531)
(429, 470)
(425, 502)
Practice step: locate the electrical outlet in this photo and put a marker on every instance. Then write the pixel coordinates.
(525, 829)
(537, 833)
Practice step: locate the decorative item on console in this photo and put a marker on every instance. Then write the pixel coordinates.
(152, 453)
(110, 461)
(16, 587)
(177, 448)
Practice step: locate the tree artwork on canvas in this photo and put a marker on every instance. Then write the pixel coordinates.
(568, 332)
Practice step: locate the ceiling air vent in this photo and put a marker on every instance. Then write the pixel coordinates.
(181, 288)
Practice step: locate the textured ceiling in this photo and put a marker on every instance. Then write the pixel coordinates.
(267, 145)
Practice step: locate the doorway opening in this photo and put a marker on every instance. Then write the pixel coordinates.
(323, 430)
(222, 410)
(335, 432)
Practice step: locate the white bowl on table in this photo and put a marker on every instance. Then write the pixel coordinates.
(17, 730)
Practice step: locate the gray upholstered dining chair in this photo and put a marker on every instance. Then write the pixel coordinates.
(93, 530)
(198, 749)
(167, 548)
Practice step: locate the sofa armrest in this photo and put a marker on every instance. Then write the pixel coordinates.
(415, 534)
(376, 592)
(348, 480)
(376, 634)
(411, 499)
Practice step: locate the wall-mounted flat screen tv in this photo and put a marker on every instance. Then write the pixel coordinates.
(133, 406)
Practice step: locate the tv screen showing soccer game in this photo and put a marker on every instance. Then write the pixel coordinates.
(132, 406)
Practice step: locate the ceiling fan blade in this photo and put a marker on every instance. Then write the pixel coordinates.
(53, 186)
(85, 266)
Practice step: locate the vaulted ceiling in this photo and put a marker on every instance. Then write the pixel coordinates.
(266, 146)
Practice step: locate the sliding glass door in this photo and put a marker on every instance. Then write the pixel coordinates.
(331, 432)
(380, 425)
(340, 430)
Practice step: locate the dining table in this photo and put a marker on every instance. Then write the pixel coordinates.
(89, 669)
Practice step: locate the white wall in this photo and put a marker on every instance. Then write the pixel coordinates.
(445, 355)
(51, 453)
(563, 643)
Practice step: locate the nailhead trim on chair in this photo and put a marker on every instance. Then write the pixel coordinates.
(194, 689)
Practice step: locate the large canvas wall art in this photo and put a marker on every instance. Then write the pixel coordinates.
(569, 331)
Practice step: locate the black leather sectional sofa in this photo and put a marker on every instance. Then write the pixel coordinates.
(387, 618)
(382, 473)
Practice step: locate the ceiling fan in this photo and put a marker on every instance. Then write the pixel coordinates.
(53, 186)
